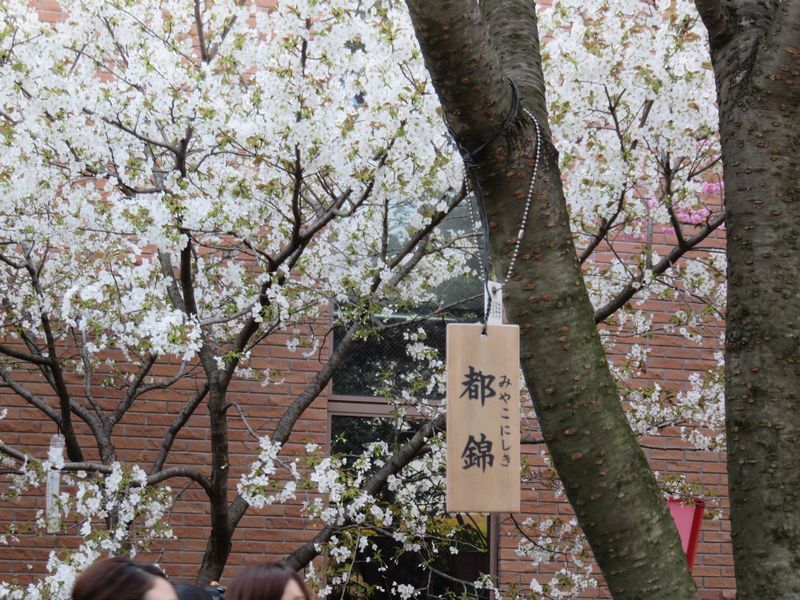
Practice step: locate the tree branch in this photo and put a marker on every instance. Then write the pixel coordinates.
(172, 283)
(131, 131)
(478, 98)
(297, 188)
(32, 399)
(177, 424)
(226, 29)
(133, 390)
(95, 467)
(34, 349)
(65, 402)
(15, 454)
(133, 393)
(668, 173)
(622, 298)
(201, 39)
(425, 231)
(514, 32)
(87, 375)
(307, 552)
(195, 476)
(717, 20)
(605, 227)
(24, 356)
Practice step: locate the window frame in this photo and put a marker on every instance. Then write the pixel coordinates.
(341, 405)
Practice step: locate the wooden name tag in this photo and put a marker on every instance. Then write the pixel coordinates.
(483, 452)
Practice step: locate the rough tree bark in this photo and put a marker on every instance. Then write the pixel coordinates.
(755, 51)
(470, 50)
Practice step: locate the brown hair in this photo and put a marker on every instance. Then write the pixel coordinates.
(116, 579)
(264, 582)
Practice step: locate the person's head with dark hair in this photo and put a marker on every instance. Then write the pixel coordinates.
(122, 579)
(274, 581)
(195, 592)
(192, 592)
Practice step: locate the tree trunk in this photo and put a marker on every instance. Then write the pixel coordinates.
(604, 471)
(218, 547)
(756, 56)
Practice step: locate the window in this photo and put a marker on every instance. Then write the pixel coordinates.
(363, 410)
(438, 575)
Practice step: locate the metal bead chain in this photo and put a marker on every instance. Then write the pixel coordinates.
(528, 199)
(526, 210)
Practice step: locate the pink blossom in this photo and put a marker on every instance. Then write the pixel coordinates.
(710, 188)
(692, 216)
(699, 216)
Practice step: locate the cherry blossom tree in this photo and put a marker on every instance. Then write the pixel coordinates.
(184, 182)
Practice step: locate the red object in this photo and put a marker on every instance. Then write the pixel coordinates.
(687, 516)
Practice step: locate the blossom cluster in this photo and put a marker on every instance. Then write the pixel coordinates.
(115, 514)
(632, 104)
